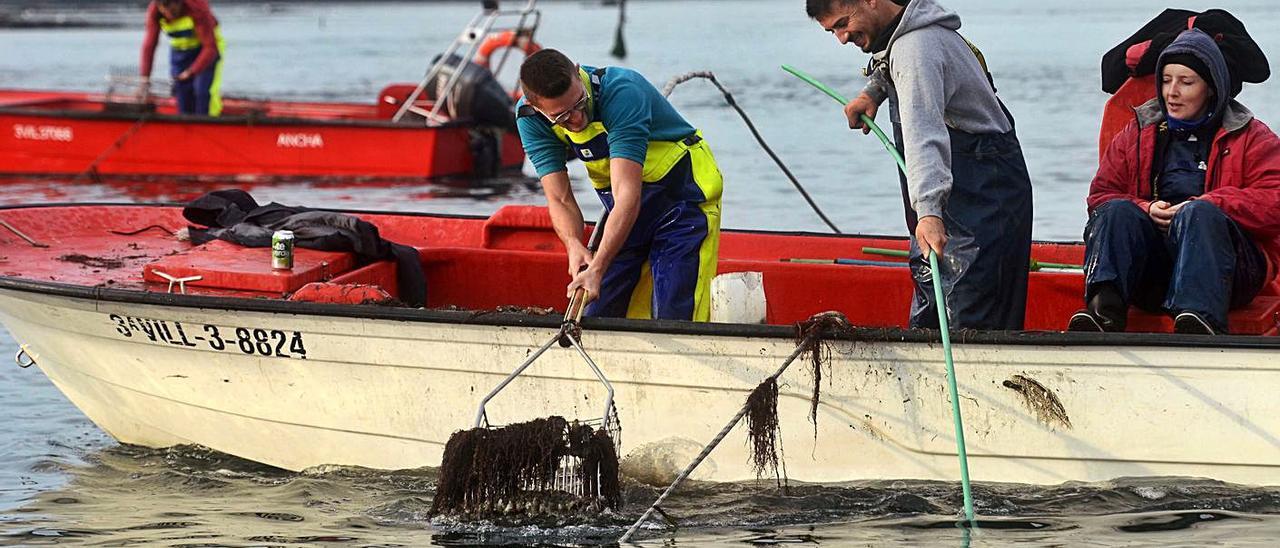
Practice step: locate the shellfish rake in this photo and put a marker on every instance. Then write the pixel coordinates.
(521, 467)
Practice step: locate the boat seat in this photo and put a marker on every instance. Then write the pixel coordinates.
(871, 296)
(1260, 317)
(225, 265)
(521, 227)
(1118, 111)
(484, 279)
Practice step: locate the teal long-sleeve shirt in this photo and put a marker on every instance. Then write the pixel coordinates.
(632, 111)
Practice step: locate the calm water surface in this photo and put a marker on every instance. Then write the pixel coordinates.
(63, 481)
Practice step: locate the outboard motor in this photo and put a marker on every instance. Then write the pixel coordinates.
(478, 97)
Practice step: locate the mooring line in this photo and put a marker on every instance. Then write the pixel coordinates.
(728, 97)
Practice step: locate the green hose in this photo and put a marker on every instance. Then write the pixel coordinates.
(945, 330)
(888, 145)
(939, 298)
(1035, 265)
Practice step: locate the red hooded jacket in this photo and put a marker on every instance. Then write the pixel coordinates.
(1243, 177)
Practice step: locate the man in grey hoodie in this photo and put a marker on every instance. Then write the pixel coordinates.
(966, 190)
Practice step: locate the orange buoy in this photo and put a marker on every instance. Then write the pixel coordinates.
(506, 39)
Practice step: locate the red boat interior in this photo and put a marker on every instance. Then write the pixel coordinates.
(512, 258)
(384, 108)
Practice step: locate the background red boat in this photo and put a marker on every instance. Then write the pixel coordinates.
(70, 133)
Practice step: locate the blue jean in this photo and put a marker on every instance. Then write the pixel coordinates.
(1205, 263)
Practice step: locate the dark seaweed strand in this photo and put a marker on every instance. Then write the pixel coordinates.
(456, 471)
(762, 428)
(602, 474)
(817, 330)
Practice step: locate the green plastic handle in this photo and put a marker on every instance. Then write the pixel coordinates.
(1035, 265)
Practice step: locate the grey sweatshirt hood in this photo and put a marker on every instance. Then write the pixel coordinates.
(924, 13)
(935, 83)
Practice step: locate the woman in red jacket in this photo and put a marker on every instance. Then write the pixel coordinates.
(1185, 208)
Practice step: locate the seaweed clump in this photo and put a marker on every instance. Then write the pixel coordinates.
(1040, 400)
(539, 466)
(763, 431)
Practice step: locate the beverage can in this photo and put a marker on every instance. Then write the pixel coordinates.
(282, 250)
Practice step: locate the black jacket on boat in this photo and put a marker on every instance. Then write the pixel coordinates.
(233, 215)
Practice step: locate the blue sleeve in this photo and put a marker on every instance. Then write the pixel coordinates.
(545, 151)
(629, 117)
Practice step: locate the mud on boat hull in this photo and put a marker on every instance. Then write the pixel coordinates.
(384, 388)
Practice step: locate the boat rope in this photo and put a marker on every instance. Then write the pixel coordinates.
(884, 139)
(944, 330)
(1034, 265)
(141, 230)
(92, 171)
(706, 450)
(21, 235)
(728, 97)
(940, 303)
(813, 332)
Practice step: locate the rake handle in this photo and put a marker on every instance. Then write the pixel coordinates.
(578, 301)
(706, 450)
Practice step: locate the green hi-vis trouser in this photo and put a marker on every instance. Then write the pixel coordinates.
(664, 270)
(202, 93)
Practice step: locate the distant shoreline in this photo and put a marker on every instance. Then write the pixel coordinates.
(68, 5)
(71, 14)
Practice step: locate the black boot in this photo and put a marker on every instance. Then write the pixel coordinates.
(1191, 323)
(1105, 311)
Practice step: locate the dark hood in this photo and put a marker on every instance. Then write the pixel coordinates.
(1198, 44)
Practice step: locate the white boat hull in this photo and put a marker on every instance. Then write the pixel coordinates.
(383, 393)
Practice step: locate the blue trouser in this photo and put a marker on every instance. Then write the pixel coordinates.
(668, 233)
(988, 221)
(194, 94)
(1205, 264)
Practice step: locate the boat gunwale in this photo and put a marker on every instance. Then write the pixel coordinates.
(657, 327)
(248, 120)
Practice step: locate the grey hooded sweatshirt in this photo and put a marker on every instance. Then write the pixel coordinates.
(933, 81)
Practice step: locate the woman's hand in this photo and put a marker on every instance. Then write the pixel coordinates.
(1162, 213)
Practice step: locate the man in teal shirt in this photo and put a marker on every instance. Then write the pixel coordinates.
(653, 172)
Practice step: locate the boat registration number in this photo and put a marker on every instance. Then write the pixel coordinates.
(255, 341)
